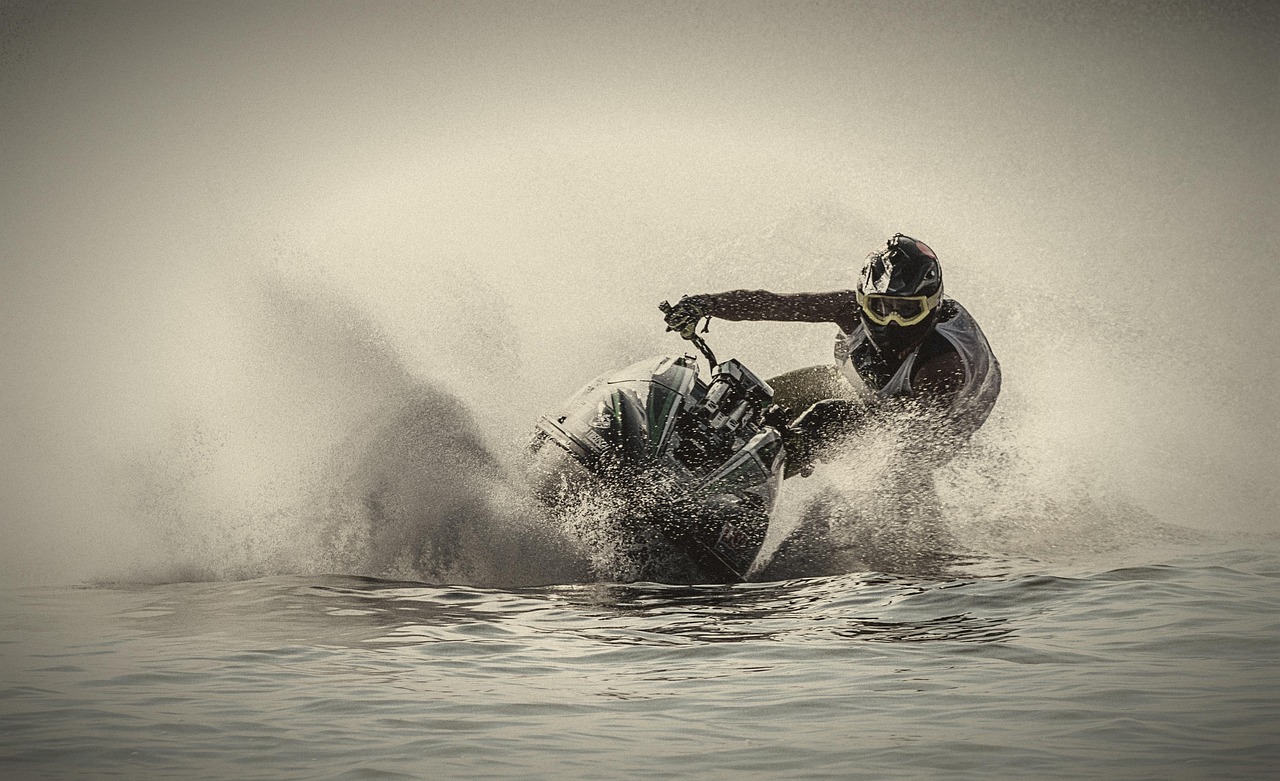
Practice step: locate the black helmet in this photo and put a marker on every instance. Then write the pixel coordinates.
(898, 292)
(905, 267)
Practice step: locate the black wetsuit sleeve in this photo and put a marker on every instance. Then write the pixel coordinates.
(838, 307)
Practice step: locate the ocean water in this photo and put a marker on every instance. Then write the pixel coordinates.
(1167, 668)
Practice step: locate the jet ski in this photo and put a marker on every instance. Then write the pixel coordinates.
(690, 465)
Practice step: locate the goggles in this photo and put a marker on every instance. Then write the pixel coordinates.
(903, 310)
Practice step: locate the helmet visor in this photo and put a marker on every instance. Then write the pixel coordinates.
(903, 310)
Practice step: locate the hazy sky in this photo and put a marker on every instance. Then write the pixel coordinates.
(488, 187)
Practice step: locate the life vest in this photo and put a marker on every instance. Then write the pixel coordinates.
(981, 385)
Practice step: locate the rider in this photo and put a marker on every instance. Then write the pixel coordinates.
(902, 345)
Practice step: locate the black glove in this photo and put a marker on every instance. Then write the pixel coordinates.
(684, 316)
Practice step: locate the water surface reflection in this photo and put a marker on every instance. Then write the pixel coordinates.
(354, 612)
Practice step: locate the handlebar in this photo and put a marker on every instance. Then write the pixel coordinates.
(693, 337)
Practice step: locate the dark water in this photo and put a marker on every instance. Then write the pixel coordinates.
(1161, 669)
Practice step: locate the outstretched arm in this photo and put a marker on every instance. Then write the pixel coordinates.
(830, 307)
(839, 307)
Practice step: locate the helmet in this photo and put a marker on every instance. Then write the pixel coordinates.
(899, 290)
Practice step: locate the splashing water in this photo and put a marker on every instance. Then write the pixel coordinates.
(320, 450)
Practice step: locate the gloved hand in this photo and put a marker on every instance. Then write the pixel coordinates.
(684, 316)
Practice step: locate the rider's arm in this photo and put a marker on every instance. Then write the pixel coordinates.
(834, 307)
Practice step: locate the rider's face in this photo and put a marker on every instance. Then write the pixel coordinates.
(896, 339)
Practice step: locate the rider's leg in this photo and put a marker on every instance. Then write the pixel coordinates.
(797, 390)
